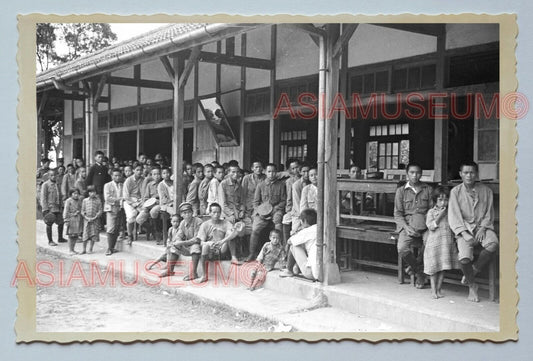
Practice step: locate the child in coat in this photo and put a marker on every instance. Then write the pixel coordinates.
(73, 218)
(91, 210)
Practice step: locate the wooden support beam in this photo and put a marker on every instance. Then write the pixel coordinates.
(347, 32)
(42, 103)
(142, 83)
(60, 86)
(168, 67)
(70, 96)
(99, 89)
(315, 39)
(257, 63)
(345, 131)
(274, 124)
(331, 274)
(440, 161)
(426, 29)
(189, 66)
(308, 28)
(177, 131)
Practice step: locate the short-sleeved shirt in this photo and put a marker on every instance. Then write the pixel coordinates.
(229, 195)
(190, 230)
(211, 231)
(249, 184)
(271, 254)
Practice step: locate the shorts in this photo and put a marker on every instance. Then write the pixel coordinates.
(186, 250)
(131, 213)
(466, 248)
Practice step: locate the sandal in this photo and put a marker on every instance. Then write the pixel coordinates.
(190, 277)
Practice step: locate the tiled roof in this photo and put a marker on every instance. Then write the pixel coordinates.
(155, 36)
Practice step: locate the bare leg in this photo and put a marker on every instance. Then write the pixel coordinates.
(84, 247)
(91, 245)
(434, 281)
(472, 292)
(439, 284)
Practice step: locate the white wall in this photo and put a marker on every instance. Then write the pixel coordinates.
(373, 44)
(67, 117)
(206, 78)
(123, 96)
(461, 35)
(78, 109)
(297, 54)
(230, 77)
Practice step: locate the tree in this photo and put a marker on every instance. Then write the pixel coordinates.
(60, 43)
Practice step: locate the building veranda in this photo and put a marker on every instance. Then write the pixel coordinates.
(377, 96)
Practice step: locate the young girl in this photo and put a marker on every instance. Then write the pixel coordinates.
(91, 210)
(73, 219)
(440, 253)
(81, 183)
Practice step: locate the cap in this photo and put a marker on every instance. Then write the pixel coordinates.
(185, 206)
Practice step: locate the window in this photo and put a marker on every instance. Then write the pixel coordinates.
(388, 147)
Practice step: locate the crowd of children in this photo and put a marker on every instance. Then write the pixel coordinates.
(225, 210)
(229, 212)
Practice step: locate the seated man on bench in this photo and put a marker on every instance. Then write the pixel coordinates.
(471, 218)
(411, 204)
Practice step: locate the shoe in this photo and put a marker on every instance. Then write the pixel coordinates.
(53, 244)
(61, 240)
(286, 273)
(114, 250)
(109, 252)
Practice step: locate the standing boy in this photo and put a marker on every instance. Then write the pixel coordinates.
(112, 208)
(51, 203)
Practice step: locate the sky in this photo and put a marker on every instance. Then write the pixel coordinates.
(126, 31)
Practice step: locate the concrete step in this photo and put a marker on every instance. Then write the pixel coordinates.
(368, 294)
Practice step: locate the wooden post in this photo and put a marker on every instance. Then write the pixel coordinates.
(88, 134)
(242, 153)
(320, 156)
(331, 269)
(274, 145)
(177, 131)
(440, 162)
(345, 130)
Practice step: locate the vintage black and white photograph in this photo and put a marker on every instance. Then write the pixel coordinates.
(267, 179)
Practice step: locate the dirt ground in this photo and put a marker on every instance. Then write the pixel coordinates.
(80, 308)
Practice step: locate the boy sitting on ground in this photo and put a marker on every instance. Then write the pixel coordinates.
(270, 254)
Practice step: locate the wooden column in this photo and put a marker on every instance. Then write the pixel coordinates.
(242, 153)
(440, 162)
(40, 110)
(274, 144)
(345, 129)
(177, 130)
(331, 269)
(88, 130)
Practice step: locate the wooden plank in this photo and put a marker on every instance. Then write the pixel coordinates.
(440, 160)
(347, 32)
(274, 142)
(367, 185)
(369, 218)
(236, 60)
(366, 235)
(142, 83)
(345, 130)
(426, 29)
(99, 89)
(189, 67)
(308, 28)
(42, 103)
(378, 264)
